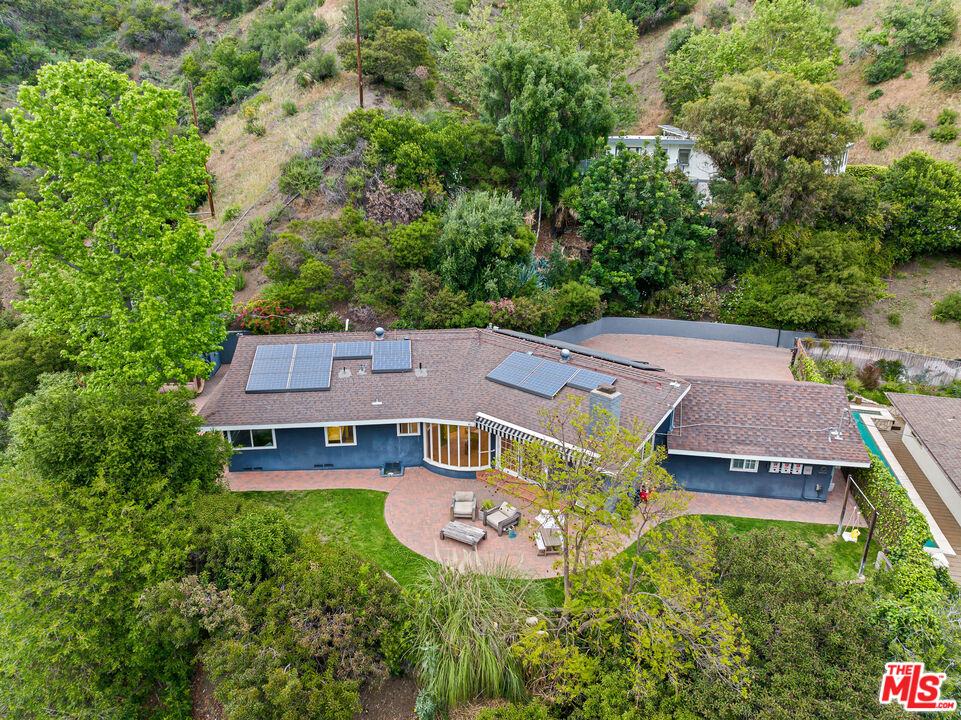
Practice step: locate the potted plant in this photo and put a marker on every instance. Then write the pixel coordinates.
(487, 505)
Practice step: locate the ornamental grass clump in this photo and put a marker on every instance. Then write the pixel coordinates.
(466, 619)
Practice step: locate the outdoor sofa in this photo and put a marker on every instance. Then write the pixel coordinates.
(502, 517)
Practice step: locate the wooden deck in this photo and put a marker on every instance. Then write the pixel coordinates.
(939, 511)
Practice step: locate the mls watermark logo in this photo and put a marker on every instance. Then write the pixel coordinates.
(914, 689)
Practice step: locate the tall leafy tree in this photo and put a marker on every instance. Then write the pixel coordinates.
(552, 111)
(772, 138)
(784, 36)
(109, 254)
(922, 199)
(642, 220)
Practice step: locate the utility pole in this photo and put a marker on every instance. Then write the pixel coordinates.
(360, 73)
(193, 106)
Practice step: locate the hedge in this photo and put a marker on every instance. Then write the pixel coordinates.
(811, 372)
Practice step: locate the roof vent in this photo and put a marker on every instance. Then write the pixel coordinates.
(565, 355)
(379, 333)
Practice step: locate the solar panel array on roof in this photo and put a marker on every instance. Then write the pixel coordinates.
(281, 368)
(544, 377)
(391, 356)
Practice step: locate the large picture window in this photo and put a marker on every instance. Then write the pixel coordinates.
(339, 435)
(251, 439)
(457, 446)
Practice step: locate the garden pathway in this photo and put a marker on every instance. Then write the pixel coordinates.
(418, 505)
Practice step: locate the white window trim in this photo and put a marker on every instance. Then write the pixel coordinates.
(327, 442)
(744, 469)
(404, 434)
(273, 440)
(427, 436)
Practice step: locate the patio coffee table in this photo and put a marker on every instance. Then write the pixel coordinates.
(462, 532)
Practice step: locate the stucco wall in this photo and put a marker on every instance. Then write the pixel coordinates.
(305, 449)
(701, 474)
(933, 472)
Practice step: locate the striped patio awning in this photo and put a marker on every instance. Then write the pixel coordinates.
(495, 427)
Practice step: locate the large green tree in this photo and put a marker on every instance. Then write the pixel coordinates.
(922, 201)
(642, 221)
(110, 255)
(95, 509)
(483, 243)
(551, 110)
(785, 36)
(772, 138)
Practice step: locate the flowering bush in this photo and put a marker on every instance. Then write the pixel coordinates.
(263, 317)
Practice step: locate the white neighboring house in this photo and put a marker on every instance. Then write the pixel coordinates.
(682, 153)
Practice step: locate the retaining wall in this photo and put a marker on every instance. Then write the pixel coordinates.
(681, 328)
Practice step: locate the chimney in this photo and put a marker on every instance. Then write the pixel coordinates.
(605, 397)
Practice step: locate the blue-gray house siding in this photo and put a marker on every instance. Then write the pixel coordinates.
(714, 475)
(305, 449)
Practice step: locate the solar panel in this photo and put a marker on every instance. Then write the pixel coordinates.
(390, 356)
(273, 351)
(542, 385)
(314, 350)
(352, 350)
(312, 374)
(590, 380)
(544, 377)
(266, 382)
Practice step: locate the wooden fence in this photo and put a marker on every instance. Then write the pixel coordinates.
(918, 368)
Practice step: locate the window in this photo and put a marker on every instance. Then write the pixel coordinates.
(457, 446)
(251, 439)
(683, 157)
(743, 465)
(341, 435)
(407, 429)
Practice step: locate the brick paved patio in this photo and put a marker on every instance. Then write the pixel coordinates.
(418, 504)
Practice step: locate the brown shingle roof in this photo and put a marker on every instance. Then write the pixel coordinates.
(454, 387)
(936, 422)
(767, 419)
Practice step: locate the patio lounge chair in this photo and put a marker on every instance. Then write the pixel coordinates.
(502, 517)
(463, 505)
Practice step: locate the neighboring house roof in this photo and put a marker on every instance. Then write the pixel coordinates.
(936, 421)
(674, 130)
(767, 420)
(448, 383)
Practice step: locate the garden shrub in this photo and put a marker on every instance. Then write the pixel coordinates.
(263, 317)
(283, 32)
(311, 322)
(922, 197)
(375, 14)
(870, 376)
(222, 74)
(577, 303)
(718, 15)
(946, 71)
(648, 14)
(113, 56)
(888, 64)
(318, 67)
(947, 117)
(399, 59)
(948, 308)
(284, 258)
(415, 243)
(921, 26)
(300, 175)
(878, 142)
(255, 241)
(328, 623)
(289, 107)
(250, 548)
(944, 133)
(870, 172)
(896, 117)
(917, 126)
(154, 28)
(678, 37)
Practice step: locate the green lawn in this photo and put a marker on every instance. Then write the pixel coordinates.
(356, 517)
